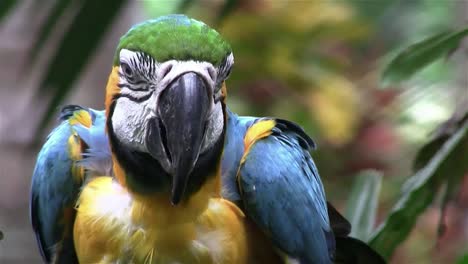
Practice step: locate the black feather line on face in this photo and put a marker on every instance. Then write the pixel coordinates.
(144, 70)
(149, 66)
(225, 69)
(145, 175)
(128, 86)
(136, 99)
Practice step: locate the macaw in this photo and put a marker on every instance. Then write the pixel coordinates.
(168, 174)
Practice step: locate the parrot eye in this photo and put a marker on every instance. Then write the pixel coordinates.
(127, 70)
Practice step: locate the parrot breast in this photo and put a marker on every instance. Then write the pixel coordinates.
(112, 225)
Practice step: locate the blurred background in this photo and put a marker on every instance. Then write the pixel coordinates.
(317, 63)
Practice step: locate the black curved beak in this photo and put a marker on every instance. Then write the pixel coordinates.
(183, 109)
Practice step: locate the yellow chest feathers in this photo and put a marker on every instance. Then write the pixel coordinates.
(113, 226)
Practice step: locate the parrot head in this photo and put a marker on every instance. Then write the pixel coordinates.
(165, 105)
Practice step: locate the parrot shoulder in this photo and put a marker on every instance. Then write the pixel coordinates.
(282, 191)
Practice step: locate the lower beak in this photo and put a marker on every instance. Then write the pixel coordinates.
(183, 109)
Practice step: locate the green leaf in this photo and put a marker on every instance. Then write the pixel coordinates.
(453, 174)
(438, 137)
(417, 56)
(419, 190)
(5, 7)
(74, 51)
(362, 204)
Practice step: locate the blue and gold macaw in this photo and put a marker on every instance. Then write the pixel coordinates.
(146, 180)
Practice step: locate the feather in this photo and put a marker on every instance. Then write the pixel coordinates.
(59, 174)
(97, 157)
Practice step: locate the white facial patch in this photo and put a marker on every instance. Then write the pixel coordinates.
(214, 128)
(130, 121)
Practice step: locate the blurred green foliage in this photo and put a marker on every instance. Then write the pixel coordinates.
(419, 55)
(361, 207)
(463, 259)
(444, 162)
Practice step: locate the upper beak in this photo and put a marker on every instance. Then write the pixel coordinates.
(183, 108)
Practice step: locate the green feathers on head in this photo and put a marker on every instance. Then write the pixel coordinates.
(175, 37)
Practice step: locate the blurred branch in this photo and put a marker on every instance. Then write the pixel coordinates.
(79, 42)
(5, 7)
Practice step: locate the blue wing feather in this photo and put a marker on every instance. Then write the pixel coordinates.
(281, 188)
(54, 189)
